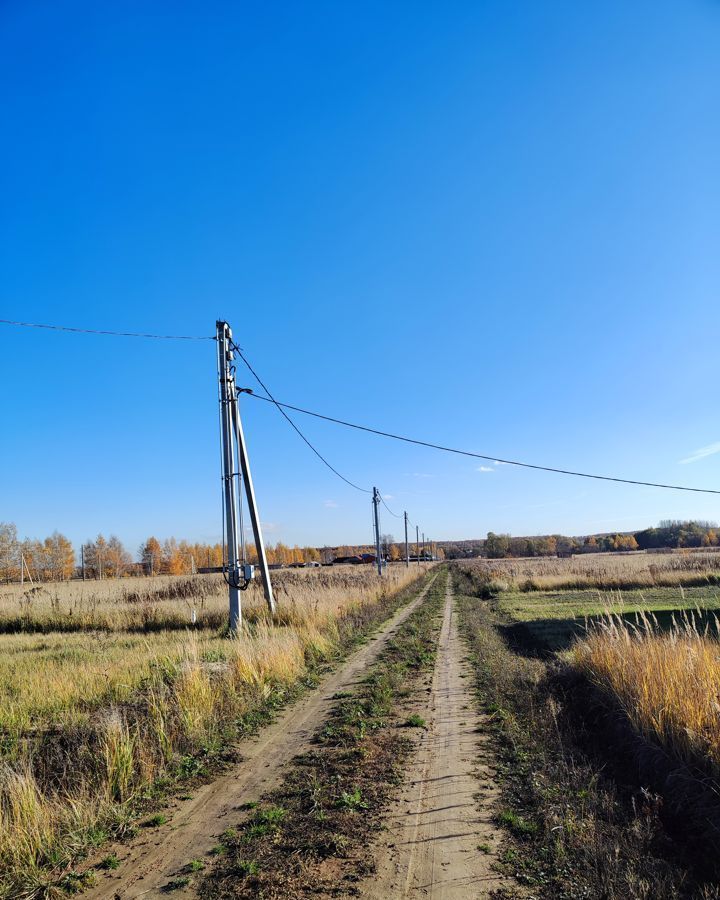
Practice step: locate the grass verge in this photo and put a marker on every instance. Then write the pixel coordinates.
(311, 835)
(572, 831)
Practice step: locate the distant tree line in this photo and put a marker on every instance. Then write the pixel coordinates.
(56, 559)
(668, 534)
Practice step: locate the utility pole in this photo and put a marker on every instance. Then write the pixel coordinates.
(254, 515)
(82, 560)
(376, 504)
(423, 547)
(238, 573)
(417, 543)
(24, 568)
(407, 549)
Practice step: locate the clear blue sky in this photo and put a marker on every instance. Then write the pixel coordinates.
(492, 225)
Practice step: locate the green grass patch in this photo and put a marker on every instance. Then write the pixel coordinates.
(415, 721)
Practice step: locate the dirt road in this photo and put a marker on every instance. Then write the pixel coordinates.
(441, 841)
(157, 858)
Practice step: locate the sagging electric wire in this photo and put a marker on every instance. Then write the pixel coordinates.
(397, 515)
(271, 399)
(137, 334)
(491, 458)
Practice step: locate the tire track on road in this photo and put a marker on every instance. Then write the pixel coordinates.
(152, 860)
(441, 841)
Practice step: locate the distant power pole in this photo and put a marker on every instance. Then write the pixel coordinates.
(423, 547)
(407, 549)
(82, 560)
(417, 543)
(376, 504)
(238, 573)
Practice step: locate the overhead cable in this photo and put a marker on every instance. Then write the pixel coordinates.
(161, 337)
(271, 399)
(492, 458)
(397, 515)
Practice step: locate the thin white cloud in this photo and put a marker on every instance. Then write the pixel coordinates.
(710, 450)
(388, 496)
(485, 469)
(330, 504)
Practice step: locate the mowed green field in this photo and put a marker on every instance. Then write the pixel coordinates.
(525, 606)
(550, 620)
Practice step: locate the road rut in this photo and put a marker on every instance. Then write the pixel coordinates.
(150, 863)
(441, 841)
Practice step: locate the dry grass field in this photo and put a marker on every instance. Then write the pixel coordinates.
(553, 600)
(642, 627)
(607, 668)
(108, 689)
(601, 571)
(666, 683)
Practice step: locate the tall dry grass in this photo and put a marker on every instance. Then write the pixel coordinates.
(90, 721)
(176, 602)
(666, 682)
(597, 571)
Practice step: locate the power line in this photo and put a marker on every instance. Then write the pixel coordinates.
(271, 399)
(496, 459)
(397, 437)
(397, 516)
(161, 337)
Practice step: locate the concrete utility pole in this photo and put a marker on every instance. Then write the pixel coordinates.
(417, 543)
(376, 504)
(407, 549)
(254, 514)
(237, 572)
(24, 568)
(423, 547)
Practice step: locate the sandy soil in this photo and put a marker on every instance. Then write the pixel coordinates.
(150, 862)
(444, 815)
